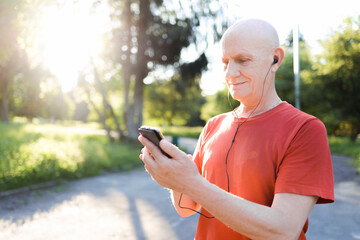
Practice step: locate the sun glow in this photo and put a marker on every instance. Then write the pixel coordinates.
(70, 37)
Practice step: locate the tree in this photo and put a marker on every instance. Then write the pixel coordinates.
(339, 74)
(10, 53)
(285, 75)
(19, 80)
(218, 103)
(25, 92)
(178, 101)
(56, 104)
(144, 38)
(149, 34)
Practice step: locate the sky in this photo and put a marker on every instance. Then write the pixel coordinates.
(316, 20)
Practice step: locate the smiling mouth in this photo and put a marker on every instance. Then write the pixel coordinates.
(235, 84)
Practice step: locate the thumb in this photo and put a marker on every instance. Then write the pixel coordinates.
(171, 149)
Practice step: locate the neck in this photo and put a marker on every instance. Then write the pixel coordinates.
(246, 110)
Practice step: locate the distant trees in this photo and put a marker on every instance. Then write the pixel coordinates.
(330, 82)
(145, 36)
(330, 86)
(26, 89)
(178, 100)
(338, 78)
(285, 74)
(11, 55)
(149, 35)
(148, 38)
(220, 102)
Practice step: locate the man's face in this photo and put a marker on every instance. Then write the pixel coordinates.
(246, 61)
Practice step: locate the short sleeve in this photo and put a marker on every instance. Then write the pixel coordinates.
(198, 153)
(197, 157)
(306, 168)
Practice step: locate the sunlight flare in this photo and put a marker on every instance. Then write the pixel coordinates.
(71, 35)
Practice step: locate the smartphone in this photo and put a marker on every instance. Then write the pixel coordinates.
(154, 135)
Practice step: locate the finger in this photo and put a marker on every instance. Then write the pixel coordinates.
(147, 151)
(150, 147)
(143, 152)
(171, 149)
(148, 160)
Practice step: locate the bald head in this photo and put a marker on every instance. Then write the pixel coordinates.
(249, 50)
(258, 32)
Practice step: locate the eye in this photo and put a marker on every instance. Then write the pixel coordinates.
(242, 60)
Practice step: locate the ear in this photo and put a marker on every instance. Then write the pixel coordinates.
(278, 54)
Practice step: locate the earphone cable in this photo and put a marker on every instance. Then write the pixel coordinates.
(239, 125)
(232, 142)
(198, 212)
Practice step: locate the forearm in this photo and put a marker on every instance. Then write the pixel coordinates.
(284, 220)
(183, 206)
(250, 219)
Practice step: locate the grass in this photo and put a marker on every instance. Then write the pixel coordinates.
(343, 146)
(191, 132)
(35, 153)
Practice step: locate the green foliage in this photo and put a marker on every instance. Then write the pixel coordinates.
(11, 55)
(31, 153)
(163, 102)
(338, 77)
(170, 106)
(21, 93)
(145, 35)
(149, 35)
(218, 103)
(56, 104)
(285, 74)
(182, 131)
(344, 146)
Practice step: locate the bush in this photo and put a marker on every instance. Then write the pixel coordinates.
(182, 131)
(344, 146)
(31, 153)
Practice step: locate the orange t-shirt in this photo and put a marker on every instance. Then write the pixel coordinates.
(282, 150)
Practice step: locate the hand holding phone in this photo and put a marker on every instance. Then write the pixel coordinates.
(154, 135)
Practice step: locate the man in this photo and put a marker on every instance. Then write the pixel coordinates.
(258, 171)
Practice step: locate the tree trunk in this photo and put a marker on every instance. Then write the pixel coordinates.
(4, 111)
(134, 110)
(137, 110)
(102, 118)
(128, 108)
(127, 71)
(106, 104)
(141, 67)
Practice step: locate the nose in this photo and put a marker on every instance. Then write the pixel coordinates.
(231, 71)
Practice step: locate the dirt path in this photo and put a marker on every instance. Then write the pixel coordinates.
(131, 206)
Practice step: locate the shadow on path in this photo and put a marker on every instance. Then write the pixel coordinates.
(131, 206)
(114, 206)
